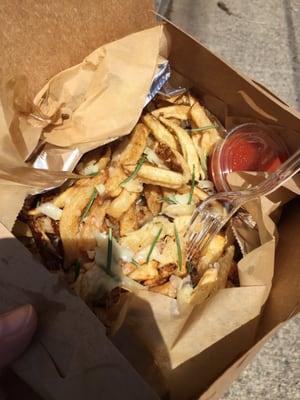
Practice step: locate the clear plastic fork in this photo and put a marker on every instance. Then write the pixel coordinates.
(211, 216)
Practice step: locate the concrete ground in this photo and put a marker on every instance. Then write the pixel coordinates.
(262, 39)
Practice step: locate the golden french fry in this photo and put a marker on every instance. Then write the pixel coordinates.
(199, 194)
(205, 287)
(135, 146)
(144, 236)
(154, 282)
(166, 270)
(113, 184)
(145, 272)
(208, 138)
(158, 176)
(153, 195)
(191, 99)
(173, 160)
(128, 221)
(224, 266)
(166, 289)
(187, 146)
(70, 219)
(92, 224)
(121, 204)
(211, 253)
(64, 197)
(180, 112)
(104, 160)
(69, 223)
(179, 210)
(159, 131)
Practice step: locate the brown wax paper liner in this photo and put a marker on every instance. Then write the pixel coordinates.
(87, 105)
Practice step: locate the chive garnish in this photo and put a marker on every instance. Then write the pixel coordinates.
(193, 186)
(76, 267)
(170, 199)
(109, 252)
(203, 128)
(153, 245)
(89, 205)
(189, 267)
(136, 170)
(179, 253)
(93, 174)
(134, 262)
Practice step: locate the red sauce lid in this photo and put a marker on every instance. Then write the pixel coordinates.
(248, 147)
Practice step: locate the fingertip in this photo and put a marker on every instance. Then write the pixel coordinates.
(16, 331)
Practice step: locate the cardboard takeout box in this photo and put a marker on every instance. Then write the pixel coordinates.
(40, 39)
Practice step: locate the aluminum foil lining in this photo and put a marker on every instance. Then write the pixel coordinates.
(168, 90)
(161, 76)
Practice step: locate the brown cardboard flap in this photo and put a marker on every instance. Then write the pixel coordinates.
(284, 299)
(246, 99)
(56, 35)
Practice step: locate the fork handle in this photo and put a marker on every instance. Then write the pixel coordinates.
(288, 169)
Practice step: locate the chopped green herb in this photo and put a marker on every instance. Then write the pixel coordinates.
(38, 203)
(109, 252)
(193, 186)
(136, 170)
(93, 174)
(134, 262)
(76, 267)
(179, 252)
(170, 199)
(189, 267)
(89, 205)
(203, 128)
(153, 245)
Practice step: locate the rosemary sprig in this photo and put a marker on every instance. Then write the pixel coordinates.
(89, 205)
(136, 170)
(179, 252)
(193, 186)
(109, 252)
(203, 128)
(153, 245)
(76, 267)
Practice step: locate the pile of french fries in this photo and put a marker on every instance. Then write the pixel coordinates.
(123, 223)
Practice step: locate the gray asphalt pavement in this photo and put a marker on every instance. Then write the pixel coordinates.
(261, 38)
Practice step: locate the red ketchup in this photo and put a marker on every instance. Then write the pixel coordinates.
(248, 147)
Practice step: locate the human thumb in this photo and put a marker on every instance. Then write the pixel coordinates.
(16, 330)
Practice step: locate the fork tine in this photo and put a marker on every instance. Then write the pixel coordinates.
(199, 229)
(199, 238)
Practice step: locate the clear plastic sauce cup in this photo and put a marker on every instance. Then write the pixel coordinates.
(247, 147)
